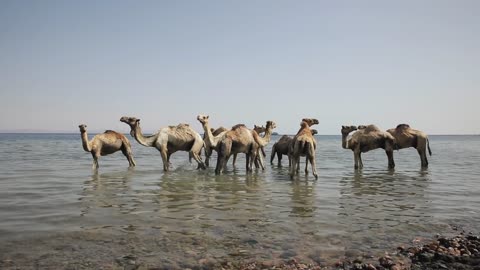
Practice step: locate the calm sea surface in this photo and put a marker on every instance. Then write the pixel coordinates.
(48, 190)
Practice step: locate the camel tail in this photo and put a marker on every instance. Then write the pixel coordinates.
(428, 145)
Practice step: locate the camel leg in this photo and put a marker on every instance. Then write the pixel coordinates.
(127, 152)
(247, 157)
(360, 160)
(198, 159)
(234, 159)
(356, 155)
(272, 155)
(314, 166)
(391, 162)
(165, 157)
(306, 165)
(293, 166)
(263, 152)
(208, 153)
(221, 161)
(423, 157)
(280, 159)
(95, 161)
(261, 161)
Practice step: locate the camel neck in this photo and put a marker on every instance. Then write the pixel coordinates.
(206, 129)
(141, 139)
(344, 141)
(85, 143)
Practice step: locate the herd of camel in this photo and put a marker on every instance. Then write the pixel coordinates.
(240, 139)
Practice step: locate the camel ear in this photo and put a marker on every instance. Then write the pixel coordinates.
(138, 120)
(208, 116)
(343, 126)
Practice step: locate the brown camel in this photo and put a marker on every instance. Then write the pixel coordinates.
(408, 137)
(303, 144)
(259, 130)
(240, 139)
(280, 148)
(216, 135)
(169, 140)
(365, 139)
(106, 143)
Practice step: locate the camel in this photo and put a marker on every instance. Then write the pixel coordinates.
(280, 148)
(208, 148)
(216, 135)
(169, 140)
(259, 130)
(240, 139)
(106, 143)
(365, 139)
(303, 144)
(408, 137)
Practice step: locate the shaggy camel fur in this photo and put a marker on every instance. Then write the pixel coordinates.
(106, 143)
(408, 137)
(169, 140)
(303, 144)
(365, 139)
(280, 148)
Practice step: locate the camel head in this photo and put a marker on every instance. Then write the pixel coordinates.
(347, 129)
(271, 125)
(132, 122)
(83, 128)
(310, 121)
(203, 119)
(314, 131)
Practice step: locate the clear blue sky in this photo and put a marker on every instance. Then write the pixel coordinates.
(63, 63)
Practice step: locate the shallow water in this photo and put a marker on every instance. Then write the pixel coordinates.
(47, 187)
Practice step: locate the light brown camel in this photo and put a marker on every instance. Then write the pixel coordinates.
(259, 130)
(303, 144)
(240, 139)
(408, 137)
(365, 139)
(106, 143)
(310, 122)
(169, 140)
(208, 148)
(211, 141)
(280, 148)
(216, 135)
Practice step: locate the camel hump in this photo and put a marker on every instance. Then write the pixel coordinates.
(371, 128)
(403, 126)
(238, 126)
(109, 131)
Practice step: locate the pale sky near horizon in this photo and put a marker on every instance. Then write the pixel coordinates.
(63, 63)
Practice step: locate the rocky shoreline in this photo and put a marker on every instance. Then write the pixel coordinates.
(461, 251)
